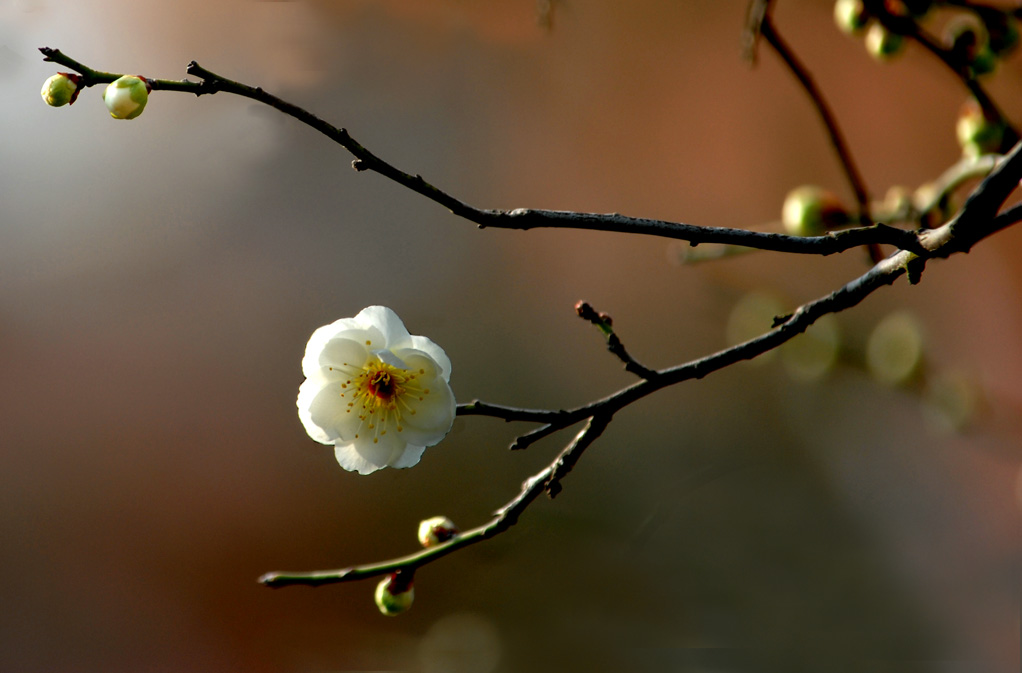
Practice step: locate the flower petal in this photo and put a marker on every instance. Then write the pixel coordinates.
(386, 321)
(324, 413)
(433, 417)
(347, 351)
(409, 457)
(371, 452)
(421, 343)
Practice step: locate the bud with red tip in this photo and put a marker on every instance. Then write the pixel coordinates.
(61, 89)
(436, 530)
(395, 593)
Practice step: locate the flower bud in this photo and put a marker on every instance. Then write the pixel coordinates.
(810, 211)
(61, 89)
(882, 44)
(977, 133)
(395, 593)
(436, 530)
(851, 16)
(126, 97)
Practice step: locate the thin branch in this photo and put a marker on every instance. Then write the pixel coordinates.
(801, 73)
(978, 217)
(604, 323)
(520, 218)
(755, 13)
(547, 479)
(837, 140)
(904, 25)
(480, 408)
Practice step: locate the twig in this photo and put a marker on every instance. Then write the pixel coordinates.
(773, 38)
(801, 73)
(520, 218)
(604, 323)
(904, 25)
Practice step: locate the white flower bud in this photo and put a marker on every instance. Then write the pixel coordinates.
(436, 530)
(61, 89)
(394, 594)
(126, 97)
(851, 16)
(978, 134)
(882, 44)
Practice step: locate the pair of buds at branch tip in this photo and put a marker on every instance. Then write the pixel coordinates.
(395, 592)
(601, 320)
(125, 97)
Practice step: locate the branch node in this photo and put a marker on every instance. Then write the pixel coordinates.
(914, 269)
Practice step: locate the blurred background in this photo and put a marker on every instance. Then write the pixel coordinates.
(159, 279)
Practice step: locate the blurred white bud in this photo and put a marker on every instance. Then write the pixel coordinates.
(395, 593)
(436, 530)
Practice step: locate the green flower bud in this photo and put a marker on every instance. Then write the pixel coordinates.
(851, 16)
(126, 97)
(882, 44)
(436, 530)
(395, 593)
(810, 211)
(977, 133)
(894, 353)
(61, 89)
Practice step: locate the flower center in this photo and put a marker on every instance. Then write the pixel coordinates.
(380, 395)
(383, 384)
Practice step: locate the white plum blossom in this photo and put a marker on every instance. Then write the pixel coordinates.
(379, 395)
(126, 96)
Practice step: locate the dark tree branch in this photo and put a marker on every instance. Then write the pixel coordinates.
(547, 479)
(904, 25)
(801, 73)
(604, 323)
(520, 218)
(837, 140)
